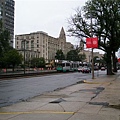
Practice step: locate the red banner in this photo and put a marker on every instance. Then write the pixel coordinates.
(92, 42)
(88, 42)
(118, 59)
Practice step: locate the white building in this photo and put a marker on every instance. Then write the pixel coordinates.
(40, 44)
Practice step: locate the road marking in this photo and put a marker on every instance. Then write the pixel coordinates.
(36, 112)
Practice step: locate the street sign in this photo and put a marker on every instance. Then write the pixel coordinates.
(92, 42)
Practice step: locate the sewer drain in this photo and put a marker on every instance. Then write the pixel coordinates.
(58, 101)
(99, 103)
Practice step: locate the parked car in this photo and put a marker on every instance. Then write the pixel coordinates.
(86, 70)
(102, 68)
(96, 68)
(80, 69)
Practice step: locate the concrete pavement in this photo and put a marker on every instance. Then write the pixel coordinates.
(97, 99)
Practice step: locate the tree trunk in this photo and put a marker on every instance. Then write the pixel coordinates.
(13, 68)
(109, 63)
(114, 62)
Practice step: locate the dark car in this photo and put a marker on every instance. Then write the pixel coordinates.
(96, 68)
(86, 70)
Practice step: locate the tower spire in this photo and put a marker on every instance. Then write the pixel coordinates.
(62, 34)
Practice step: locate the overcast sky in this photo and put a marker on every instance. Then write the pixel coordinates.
(45, 15)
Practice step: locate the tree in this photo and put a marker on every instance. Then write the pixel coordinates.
(82, 57)
(38, 62)
(95, 59)
(12, 57)
(60, 55)
(73, 55)
(41, 62)
(107, 30)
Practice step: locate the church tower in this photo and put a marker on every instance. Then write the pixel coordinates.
(62, 35)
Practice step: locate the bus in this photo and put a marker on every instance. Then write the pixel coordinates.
(63, 66)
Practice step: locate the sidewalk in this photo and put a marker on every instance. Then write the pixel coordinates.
(97, 99)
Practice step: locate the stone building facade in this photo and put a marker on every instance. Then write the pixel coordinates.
(40, 44)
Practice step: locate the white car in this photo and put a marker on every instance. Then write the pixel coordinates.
(102, 68)
(80, 69)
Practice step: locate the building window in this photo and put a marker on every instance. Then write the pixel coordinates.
(22, 44)
(32, 37)
(32, 44)
(27, 45)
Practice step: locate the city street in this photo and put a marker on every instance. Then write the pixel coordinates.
(96, 99)
(16, 90)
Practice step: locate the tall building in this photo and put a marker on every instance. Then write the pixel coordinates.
(7, 17)
(40, 44)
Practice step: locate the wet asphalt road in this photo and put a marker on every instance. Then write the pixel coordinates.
(16, 90)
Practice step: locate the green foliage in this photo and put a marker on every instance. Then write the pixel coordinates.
(95, 59)
(60, 55)
(105, 25)
(82, 57)
(38, 62)
(74, 56)
(11, 57)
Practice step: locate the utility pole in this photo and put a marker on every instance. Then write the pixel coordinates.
(24, 56)
(92, 48)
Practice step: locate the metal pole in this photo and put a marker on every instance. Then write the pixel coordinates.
(24, 56)
(92, 48)
(92, 65)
